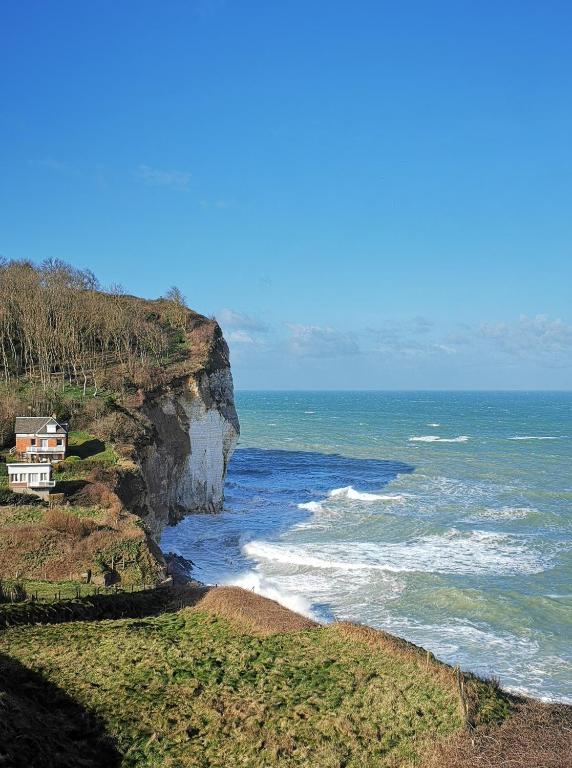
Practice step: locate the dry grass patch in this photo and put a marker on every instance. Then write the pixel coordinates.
(64, 542)
(253, 613)
(65, 522)
(537, 735)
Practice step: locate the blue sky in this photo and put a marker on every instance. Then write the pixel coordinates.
(366, 194)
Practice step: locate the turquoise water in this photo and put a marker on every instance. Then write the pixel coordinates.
(445, 518)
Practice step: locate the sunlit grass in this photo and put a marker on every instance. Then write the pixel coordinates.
(191, 689)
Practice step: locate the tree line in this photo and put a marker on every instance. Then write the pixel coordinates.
(56, 324)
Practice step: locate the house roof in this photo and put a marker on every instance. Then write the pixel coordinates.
(25, 465)
(37, 425)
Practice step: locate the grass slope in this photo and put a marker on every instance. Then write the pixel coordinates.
(195, 688)
(57, 545)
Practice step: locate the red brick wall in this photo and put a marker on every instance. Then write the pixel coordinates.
(25, 442)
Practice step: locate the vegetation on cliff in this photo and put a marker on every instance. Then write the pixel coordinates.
(56, 323)
(96, 358)
(69, 347)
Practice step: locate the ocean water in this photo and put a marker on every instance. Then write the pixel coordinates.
(442, 517)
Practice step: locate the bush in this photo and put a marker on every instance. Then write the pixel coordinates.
(14, 593)
(117, 427)
(64, 522)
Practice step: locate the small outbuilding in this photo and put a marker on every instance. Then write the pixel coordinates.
(25, 477)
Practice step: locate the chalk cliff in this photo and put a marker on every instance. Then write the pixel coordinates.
(188, 431)
(194, 430)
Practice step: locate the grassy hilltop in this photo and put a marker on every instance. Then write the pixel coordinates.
(233, 679)
(198, 688)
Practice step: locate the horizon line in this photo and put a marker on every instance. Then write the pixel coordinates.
(317, 389)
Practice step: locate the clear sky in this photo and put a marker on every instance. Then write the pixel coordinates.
(367, 194)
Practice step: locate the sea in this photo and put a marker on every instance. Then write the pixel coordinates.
(441, 517)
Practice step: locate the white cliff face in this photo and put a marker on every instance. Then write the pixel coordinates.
(212, 438)
(195, 432)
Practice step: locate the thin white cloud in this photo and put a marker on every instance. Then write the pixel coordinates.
(531, 337)
(232, 320)
(321, 341)
(421, 324)
(157, 177)
(408, 339)
(240, 337)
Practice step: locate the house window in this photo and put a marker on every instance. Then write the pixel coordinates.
(33, 441)
(59, 441)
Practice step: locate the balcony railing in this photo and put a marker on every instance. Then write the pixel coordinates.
(45, 449)
(42, 484)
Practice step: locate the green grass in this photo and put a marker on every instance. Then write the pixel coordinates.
(4, 484)
(50, 590)
(188, 689)
(26, 515)
(87, 446)
(85, 452)
(55, 591)
(23, 515)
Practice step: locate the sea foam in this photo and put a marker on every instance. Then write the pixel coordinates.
(311, 506)
(453, 552)
(503, 513)
(437, 439)
(268, 588)
(349, 492)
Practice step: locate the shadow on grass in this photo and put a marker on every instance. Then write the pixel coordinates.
(42, 726)
(87, 449)
(120, 605)
(69, 487)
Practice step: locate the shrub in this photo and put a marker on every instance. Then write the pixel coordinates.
(64, 522)
(118, 427)
(12, 593)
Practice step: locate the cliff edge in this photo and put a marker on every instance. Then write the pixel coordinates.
(147, 389)
(193, 430)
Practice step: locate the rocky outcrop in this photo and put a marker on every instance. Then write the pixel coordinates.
(194, 430)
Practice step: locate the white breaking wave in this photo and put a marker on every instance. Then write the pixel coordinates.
(533, 437)
(453, 552)
(311, 506)
(437, 439)
(349, 492)
(268, 588)
(433, 424)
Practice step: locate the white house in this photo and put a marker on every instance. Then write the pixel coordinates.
(30, 478)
